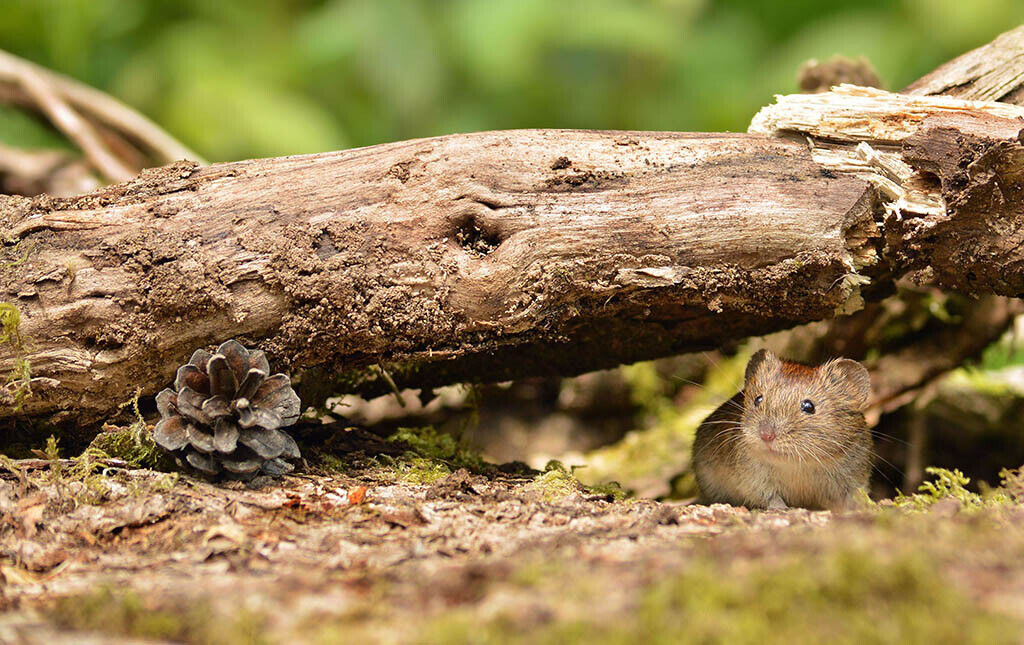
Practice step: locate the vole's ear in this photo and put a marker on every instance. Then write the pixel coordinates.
(763, 358)
(852, 377)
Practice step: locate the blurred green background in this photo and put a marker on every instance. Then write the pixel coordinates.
(242, 78)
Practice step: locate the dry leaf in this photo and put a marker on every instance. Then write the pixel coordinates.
(357, 495)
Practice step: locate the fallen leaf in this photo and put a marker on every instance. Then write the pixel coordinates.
(357, 495)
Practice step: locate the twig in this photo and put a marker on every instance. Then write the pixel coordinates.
(74, 126)
(101, 108)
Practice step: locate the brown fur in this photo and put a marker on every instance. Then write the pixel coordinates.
(816, 460)
(797, 370)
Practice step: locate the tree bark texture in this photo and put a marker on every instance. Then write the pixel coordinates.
(495, 255)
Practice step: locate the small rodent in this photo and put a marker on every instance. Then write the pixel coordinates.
(794, 436)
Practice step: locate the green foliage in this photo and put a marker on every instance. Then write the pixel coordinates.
(659, 448)
(420, 470)
(432, 455)
(555, 482)
(1012, 484)
(19, 381)
(52, 449)
(237, 79)
(83, 480)
(10, 325)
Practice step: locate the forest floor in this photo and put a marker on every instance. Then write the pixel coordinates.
(413, 547)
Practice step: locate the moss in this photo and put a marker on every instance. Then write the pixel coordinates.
(134, 443)
(557, 482)
(612, 490)
(25, 253)
(125, 613)
(419, 470)
(83, 480)
(427, 442)
(93, 487)
(19, 381)
(332, 463)
(849, 595)
(948, 484)
(10, 325)
(430, 455)
(1012, 483)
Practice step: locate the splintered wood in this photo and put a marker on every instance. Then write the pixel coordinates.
(859, 131)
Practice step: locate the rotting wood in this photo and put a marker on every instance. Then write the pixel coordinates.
(477, 257)
(949, 169)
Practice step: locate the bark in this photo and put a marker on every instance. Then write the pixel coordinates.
(491, 256)
(993, 72)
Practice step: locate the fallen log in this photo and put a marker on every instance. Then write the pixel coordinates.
(472, 257)
(491, 256)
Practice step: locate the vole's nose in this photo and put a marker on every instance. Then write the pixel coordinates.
(767, 431)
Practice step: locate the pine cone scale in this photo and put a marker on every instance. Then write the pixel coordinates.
(245, 467)
(170, 433)
(277, 467)
(191, 376)
(251, 383)
(237, 357)
(216, 407)
(202, 463)
(199, 359)
(190, 404)
(222, 379)
(200, 440)
(225, 436)
(258, 361)
(165, 402)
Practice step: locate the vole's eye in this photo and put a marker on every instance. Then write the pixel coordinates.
(757, 400)
(807, 406)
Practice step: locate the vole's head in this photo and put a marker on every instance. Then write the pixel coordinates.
(797, 412)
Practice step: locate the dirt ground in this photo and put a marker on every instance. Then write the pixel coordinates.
(411, 548)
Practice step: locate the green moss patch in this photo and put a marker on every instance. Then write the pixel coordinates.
(18, 382)
(125, 613)
(558, 481)
(431, 455)
(952, 485)
(848, 594)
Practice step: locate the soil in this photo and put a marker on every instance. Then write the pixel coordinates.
(412, 549)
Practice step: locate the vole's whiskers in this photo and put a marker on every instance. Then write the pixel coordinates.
(889, 437)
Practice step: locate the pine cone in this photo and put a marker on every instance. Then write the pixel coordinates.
(225, 414)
